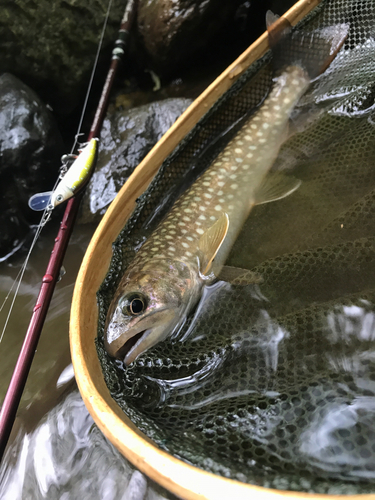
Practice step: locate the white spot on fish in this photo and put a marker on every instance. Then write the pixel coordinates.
(218, 208)
(238, 160)
(253, 126)
(219, 193)
(185, 245)
(202, 217)
(199, 231)
(265, 125)
(238, 151)
(234, 186)
(207, 195)
(248, 137)
(197, 198)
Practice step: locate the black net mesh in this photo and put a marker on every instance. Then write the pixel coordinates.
(274, 383)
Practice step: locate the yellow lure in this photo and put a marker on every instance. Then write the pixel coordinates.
(73, 180)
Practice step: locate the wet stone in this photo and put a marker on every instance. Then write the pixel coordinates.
(126, 138)
(31, 147)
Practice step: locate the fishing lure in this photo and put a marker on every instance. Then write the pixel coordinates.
(72, 181)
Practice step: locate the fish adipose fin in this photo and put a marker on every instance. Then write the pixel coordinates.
(314, 51)
(211, 241)
(276, 187)
(239, 276)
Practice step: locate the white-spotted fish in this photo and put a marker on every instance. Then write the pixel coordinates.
(74, 179)
(189, 247)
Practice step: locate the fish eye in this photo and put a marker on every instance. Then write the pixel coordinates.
(59, 197)
(133, 305)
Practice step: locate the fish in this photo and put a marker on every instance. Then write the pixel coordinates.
(74, 179)
(188, 249)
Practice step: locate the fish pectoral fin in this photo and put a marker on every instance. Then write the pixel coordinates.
(211, 241)
(276, 187)
(239, 276)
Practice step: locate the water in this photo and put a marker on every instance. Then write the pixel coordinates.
(55, 450)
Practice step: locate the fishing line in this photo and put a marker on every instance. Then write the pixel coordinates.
(48, 210)
(45, 217)
(92, 75)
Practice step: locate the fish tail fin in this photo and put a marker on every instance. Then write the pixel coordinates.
(313, 50)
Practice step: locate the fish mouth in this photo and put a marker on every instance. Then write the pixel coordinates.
(139, 337)
(131, 344)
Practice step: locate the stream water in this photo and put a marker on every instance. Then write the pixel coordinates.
(55, 450)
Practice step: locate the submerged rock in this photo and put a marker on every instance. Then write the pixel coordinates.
(126, 138)
(66, 456)
(30, 150)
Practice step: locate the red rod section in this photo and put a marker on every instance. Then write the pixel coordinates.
(26, 356)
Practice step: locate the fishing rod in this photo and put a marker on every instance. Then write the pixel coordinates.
(50, 278)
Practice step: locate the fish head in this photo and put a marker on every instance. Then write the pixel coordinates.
(151, 302)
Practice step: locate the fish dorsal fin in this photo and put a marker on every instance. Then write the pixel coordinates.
(211, 241)
(239, 276)
(271, 18)
(276, 187)
(277, 28)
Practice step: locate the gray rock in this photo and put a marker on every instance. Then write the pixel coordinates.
(51, 45)
(30, 150)
(126, 138)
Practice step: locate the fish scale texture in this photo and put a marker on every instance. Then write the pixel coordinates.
(273, 383)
